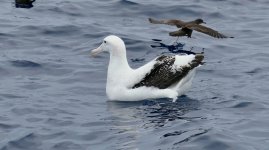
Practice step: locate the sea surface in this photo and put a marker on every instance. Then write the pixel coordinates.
(52, 93)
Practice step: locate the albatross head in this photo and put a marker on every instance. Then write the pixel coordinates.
(112, 44)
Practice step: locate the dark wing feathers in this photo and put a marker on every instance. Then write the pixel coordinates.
(181, 32)
(158, 74)
(162, 75)
(191, 25)
(178, 33)
(206, 30)
(172, 22)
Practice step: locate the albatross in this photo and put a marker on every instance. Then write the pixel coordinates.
(188, 27)
(166, 76)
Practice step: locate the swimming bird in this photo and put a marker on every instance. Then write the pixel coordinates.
(163, 77)
(188, 27)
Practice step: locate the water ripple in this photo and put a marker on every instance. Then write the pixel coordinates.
(25, 63)
(52, 94)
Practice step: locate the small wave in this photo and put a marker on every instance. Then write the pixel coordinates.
(25, 63)
(242, 105)
(254, 71)
(66, 145)
(5, 35)
(127, 2)
(8, 126)
(12, 96)
(25, 111)
(67, 9)
(174, 133)
(201, 131)
(28, 141)
(61, 30)
(183, 10)
(216, 15)
(56, 122)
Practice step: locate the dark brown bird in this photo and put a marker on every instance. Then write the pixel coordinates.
(188, 27)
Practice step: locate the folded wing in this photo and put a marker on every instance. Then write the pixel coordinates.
(165, 72)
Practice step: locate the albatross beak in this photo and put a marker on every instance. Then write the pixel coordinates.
(96, 51)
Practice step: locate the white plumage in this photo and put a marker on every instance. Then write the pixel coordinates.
(163, 77)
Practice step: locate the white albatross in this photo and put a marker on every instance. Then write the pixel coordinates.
(163, 77)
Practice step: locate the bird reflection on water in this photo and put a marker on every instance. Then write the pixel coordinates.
(155, 113)
(130, 119)
(176, 48)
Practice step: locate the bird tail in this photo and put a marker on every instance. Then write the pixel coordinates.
(197, 61)
(175, 33)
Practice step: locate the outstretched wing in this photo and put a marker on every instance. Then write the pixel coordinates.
(165, 72)
(206, 30)
(172, 22)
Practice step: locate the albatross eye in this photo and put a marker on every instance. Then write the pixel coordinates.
(104, 41)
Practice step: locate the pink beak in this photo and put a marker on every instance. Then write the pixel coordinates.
(96, 51)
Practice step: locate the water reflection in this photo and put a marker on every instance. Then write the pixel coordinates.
(156, 112)
(132, 118)
(165, 111)
(24, 3)
(176, 47)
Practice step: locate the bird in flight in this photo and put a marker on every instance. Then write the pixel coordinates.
(188, 27)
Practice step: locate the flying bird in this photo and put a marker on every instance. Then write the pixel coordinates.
(188, 27)
(166, 76)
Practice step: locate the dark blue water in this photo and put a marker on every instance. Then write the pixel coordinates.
(52, 94)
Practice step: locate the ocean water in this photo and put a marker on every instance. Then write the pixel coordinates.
(52, 93)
